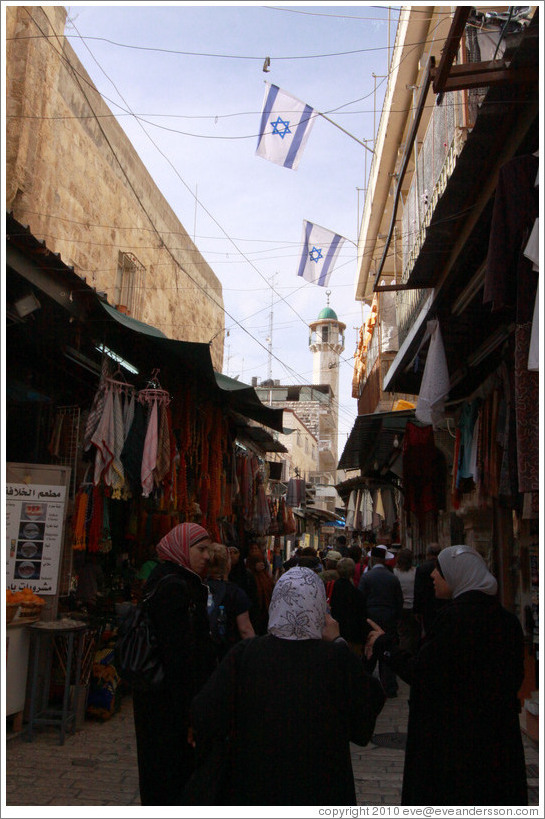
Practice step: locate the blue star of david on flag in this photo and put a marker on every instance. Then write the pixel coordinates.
(319, 253)
(276, 129)
(290, 119)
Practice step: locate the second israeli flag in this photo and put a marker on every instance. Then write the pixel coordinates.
(321, 248)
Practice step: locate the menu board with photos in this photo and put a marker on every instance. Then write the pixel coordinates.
(34, 530)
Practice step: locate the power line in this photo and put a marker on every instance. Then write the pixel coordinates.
(258, 58)
(222, 307)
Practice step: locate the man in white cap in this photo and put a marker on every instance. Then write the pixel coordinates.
(384, 605)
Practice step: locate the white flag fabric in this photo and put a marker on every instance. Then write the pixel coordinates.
(320, 250)
(285, 126)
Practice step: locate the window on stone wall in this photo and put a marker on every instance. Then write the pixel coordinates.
(293, 393)
(129, 284)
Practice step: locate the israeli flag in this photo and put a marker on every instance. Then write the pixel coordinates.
(285, 126)
(319, 254)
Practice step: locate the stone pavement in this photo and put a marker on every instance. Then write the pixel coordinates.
(97, 765)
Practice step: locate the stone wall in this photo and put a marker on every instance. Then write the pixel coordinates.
(74, 178)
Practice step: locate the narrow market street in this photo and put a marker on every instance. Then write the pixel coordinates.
(97, 765)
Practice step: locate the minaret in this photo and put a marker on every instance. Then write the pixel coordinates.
(326, 343)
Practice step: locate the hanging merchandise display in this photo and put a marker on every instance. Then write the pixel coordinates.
(158, 457)
(296, 492)
(423, 477)
(485, 464)
(511, 281)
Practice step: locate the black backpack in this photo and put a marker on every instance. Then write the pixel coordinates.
(136, 652)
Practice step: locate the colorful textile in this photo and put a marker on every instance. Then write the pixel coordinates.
(420, 473)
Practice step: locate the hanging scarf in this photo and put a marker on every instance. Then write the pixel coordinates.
(298, 606)
(176, 544)
(149, 457)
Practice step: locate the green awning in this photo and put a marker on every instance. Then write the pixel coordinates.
(370, 446)
(132, 323)
(148, 348)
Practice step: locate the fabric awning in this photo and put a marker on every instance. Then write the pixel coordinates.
(142, 345)
(146, 346)
(370, 446)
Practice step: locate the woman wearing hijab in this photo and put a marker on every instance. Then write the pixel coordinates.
(179, 615)
(464, 744)
(293, 700)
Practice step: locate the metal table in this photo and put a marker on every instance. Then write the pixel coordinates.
(66, 644)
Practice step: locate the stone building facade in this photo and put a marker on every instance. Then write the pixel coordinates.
(74, 178)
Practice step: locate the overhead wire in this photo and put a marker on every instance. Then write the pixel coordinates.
(280, 296)
(257, 58)
(207, 293)
(145, 117)
(237, 249)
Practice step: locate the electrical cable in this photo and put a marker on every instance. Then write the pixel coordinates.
(222, 308)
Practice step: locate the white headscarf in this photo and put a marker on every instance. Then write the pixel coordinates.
(465, 570)
(298, 606)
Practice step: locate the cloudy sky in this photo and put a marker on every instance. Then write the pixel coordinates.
(186, 81)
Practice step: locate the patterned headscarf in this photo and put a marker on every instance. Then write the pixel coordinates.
(176, 544)
(465, 570)
(298, 606)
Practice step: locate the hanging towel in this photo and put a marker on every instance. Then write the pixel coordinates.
(103, 439)
(162, 466)
(379, 507)
(128, 414)
(296, 492)
(430, 408)
(149, 457)
(116, 472)
(389, 507)
(351, 510)
(97, 407)
(131, 455)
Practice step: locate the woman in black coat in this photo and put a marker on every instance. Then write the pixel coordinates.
(464, 745)
(295, 699)
(348, 606)
(178, 611)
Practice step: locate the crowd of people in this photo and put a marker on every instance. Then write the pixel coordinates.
(273, 666)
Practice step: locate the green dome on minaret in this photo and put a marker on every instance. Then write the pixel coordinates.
(328, 313)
